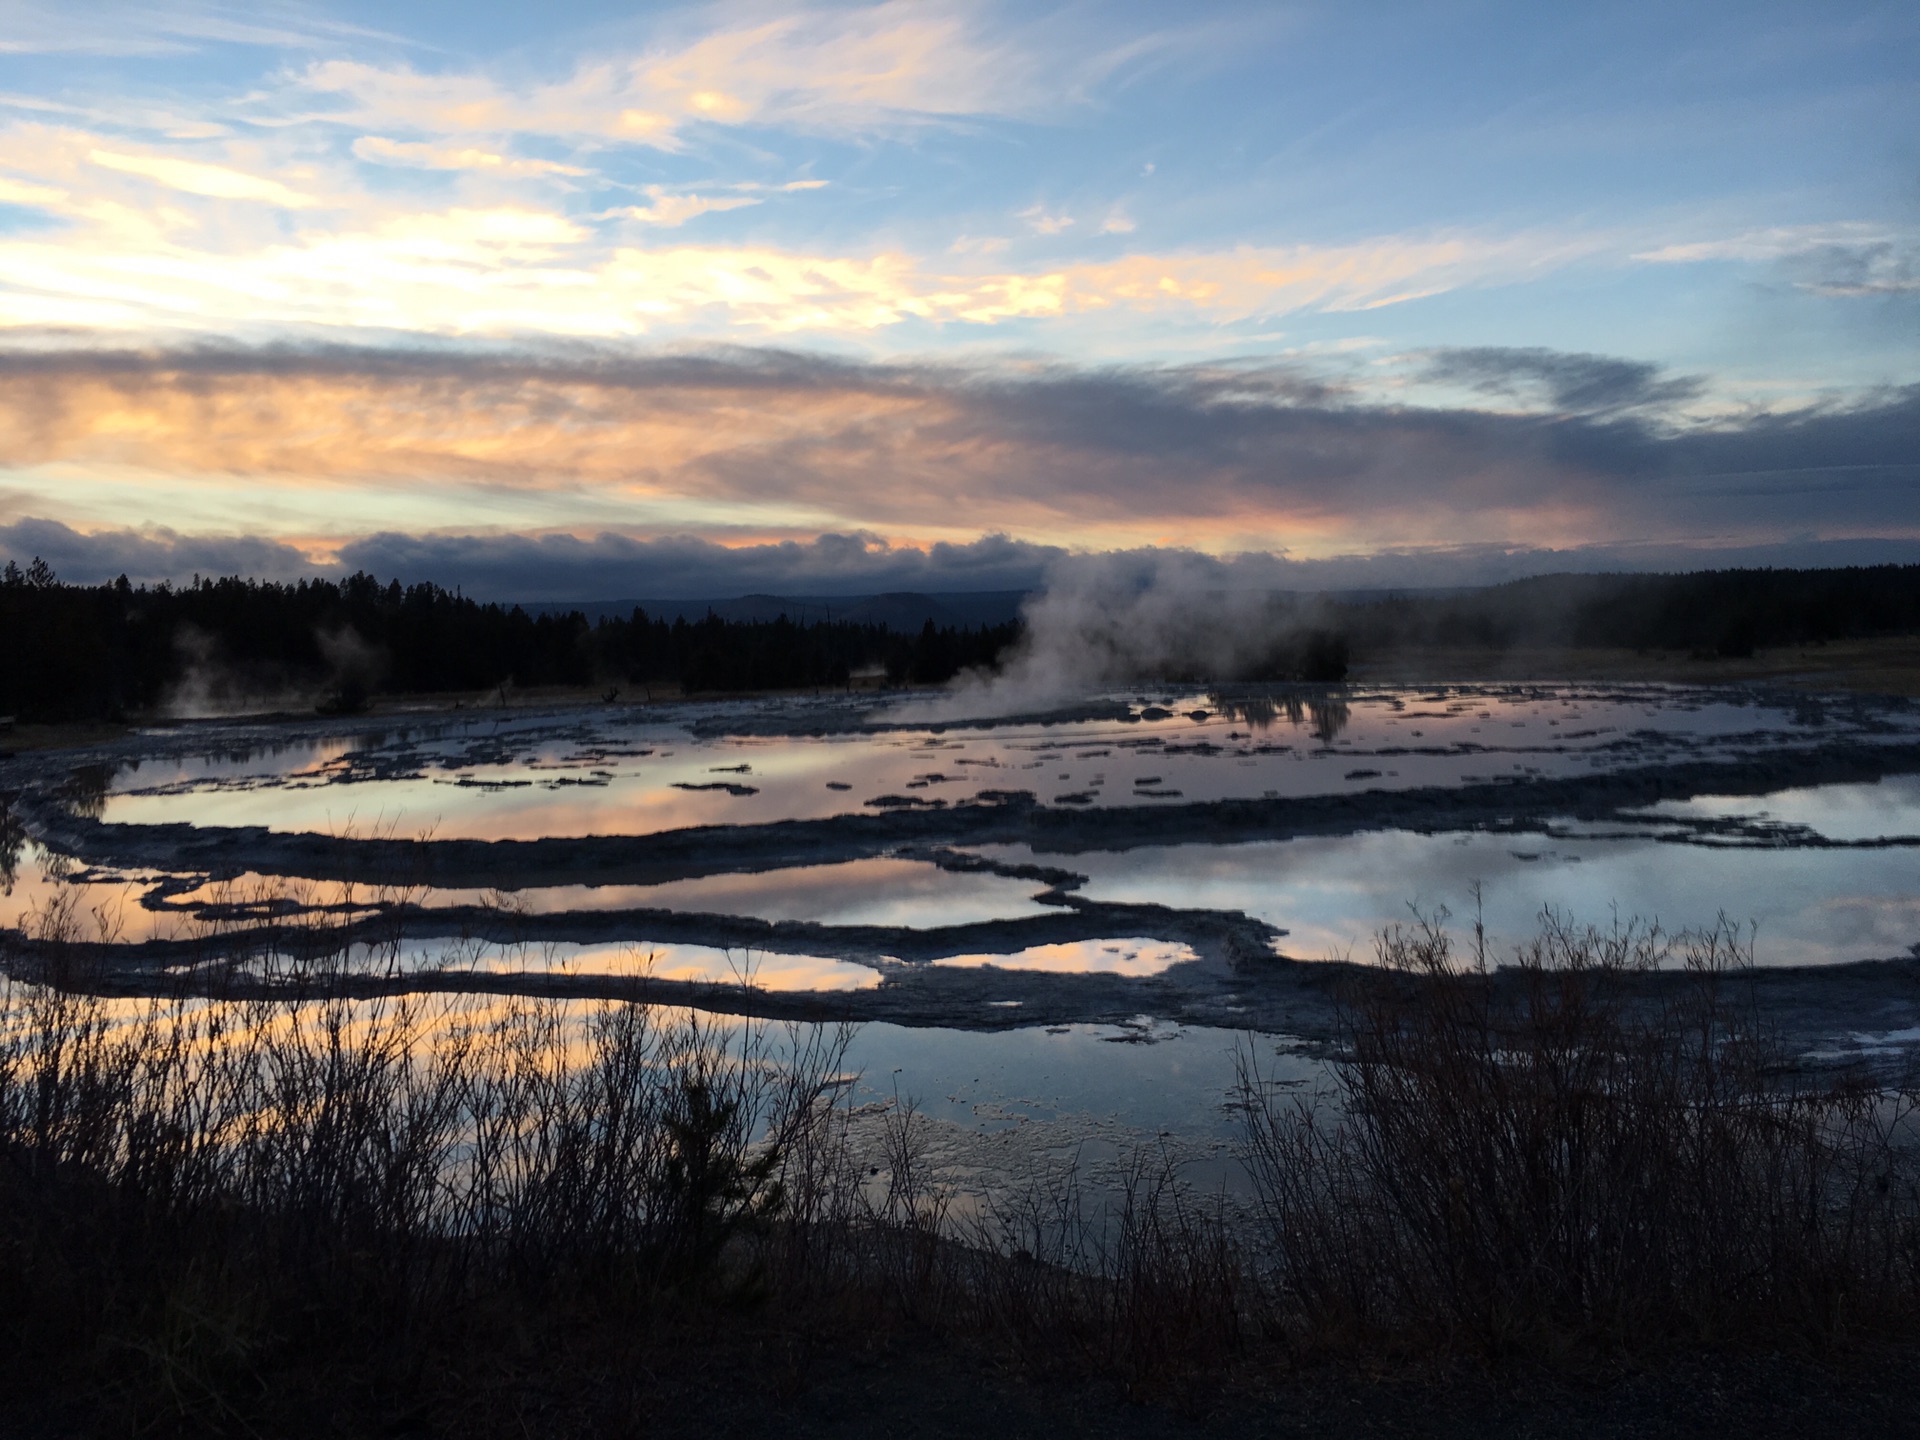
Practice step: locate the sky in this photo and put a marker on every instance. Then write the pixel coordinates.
(590, 300)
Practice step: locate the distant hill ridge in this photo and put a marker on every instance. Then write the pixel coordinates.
(900, 610)
(904, 611)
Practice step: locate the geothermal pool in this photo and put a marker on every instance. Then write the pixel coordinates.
(1152, 872)
(750, 764)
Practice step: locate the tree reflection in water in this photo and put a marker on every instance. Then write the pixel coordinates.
(13, 839)
(85, 790)
(1326, 713)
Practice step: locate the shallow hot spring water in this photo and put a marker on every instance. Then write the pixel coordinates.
(1120, 870)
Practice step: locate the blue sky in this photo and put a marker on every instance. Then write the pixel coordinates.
(1358, 281)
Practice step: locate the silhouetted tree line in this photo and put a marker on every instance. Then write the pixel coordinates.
(1715, 612)
(71, 652)
(717, 654)
(1318, 656)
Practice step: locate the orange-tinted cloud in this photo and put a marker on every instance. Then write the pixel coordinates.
(1217, 457)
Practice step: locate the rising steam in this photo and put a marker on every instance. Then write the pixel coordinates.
(212, 685)
(1151, 616)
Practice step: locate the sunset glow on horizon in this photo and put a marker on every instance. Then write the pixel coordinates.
(955, 287)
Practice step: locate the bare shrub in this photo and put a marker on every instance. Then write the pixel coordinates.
(1556, 1154)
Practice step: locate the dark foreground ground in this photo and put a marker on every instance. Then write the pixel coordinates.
(822, 1389)
(904, 1391)
(767, 1381)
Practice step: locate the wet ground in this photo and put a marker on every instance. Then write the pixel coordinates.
(1168, 868)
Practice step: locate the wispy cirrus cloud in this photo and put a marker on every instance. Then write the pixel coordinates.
(119, 28)
(1768, 243)
(873, 68)
(1853, 260)
(28, 194)
(1879, 269)
(531, 267)
(279, 217)
(669, 209)
(426, 155)
(216, 182)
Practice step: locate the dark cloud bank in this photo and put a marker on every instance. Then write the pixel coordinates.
(562, 568)
(1591, 436)
(1571, 384)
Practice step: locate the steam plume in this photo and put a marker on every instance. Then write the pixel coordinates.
(1160, 615)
